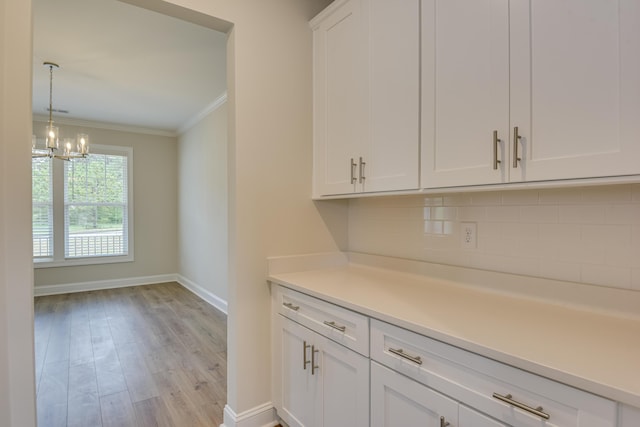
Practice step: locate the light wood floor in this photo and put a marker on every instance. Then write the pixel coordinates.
(142, 356)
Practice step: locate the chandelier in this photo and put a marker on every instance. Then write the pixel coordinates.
(71, 148)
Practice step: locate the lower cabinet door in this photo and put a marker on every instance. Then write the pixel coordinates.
(298, 388)
(319, 382)
(470, 418)
(399, 401)
(344, 385)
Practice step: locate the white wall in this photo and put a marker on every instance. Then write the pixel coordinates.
(155, 215)
(270, 210)
(17, 382)
(203, 204)
(586, 235)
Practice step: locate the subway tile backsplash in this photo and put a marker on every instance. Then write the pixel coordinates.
(589, 235)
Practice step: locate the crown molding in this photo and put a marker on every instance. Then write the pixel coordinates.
(217, 103)
(107, 126)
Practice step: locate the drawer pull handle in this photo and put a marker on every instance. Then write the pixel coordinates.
(291, 306)
(334, 326)
(509, 399)
(443, 423)
(305, 362)
(400, 352)
(314, 367)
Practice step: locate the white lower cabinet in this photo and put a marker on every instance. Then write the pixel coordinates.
(399, 401)
(321, 383)
(337, 368)
(509, 395)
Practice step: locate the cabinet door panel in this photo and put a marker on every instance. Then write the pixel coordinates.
(575, 89)
(394, 73)
(339, 97)
(399, 401)
(299, 389)
(345, 386)
(465, 91)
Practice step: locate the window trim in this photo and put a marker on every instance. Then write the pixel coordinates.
(58, 259)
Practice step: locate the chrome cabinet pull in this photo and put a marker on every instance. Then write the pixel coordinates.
(443, 423)
(335, 326)
(509, 399)
(495, 150)
(400, 352)
(291, 306)
(353, 171)
(305, 362)
(516, 139)
(361, 176)
(313, 360)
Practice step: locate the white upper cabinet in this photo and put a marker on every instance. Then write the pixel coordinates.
(575, 87)
(465, 90)
(366, 97)
(565, 73)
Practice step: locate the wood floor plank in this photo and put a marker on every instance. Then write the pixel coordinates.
(142, 356)
(152, 413)
(140, 382)
(117, 410)
(52, 396)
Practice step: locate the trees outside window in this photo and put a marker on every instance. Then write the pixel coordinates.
(93, 222)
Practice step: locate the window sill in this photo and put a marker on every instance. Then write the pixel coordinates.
(75, 262)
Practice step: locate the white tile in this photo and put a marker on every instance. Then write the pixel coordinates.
(472, 213)
(520, 197)
(447, 257)
(604, 275)
(567, 251)
(570, 232)
(486, 229)
(496, 246)
(507, 264)
(440, 242)
(620, 256)
(457, 199)
(432, 201)
(560, 196)
(539, 214)
(444, 213)
(635, 235)
(486, 199)
(503, 213)
(560, 270)
(581, 214)
(623, 214)
(520, 230)
(635, 279)
(606, 194)
(530, 248)
(606, 234)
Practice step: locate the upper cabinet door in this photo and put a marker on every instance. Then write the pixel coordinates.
(575, 88)
(339, 97)
(392, 158)
(465, 91)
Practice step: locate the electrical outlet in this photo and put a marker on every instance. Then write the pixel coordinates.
(469, 233)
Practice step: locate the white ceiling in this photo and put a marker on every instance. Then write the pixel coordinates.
(121, 64)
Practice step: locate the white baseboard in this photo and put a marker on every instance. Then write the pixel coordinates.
(260, 416)
(209, 297)
(102, 284)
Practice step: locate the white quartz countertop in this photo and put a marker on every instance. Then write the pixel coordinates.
(592, 351)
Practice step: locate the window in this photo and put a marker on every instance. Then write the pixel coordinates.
(42, 210)
(88, 210)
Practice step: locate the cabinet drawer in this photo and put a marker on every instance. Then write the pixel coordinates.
(336, 323)
(479, 382)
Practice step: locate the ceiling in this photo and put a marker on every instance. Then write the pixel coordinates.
(124, 65)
